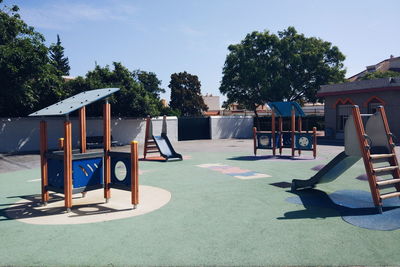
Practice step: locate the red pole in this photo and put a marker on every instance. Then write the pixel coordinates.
(299, 122)
(82, 128)
(134, 174)
(293, 126)
(107, 148)
(273, 132)
(314, 129)
(43, 161)
(68, 165)
(280, 135)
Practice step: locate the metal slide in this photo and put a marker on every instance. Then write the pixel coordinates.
(329, 172)
(165, 148)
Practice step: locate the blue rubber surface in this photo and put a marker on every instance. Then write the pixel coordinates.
(355, 207)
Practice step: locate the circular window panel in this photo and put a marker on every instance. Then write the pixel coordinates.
(120, 171)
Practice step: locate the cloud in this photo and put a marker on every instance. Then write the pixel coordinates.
(63, 14)
(190, 31)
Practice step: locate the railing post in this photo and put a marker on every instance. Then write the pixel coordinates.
(68, 164)
(43, 161)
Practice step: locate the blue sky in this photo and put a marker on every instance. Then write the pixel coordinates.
(193, 35)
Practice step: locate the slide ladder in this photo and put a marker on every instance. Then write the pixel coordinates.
(372, 158)
(149, 144)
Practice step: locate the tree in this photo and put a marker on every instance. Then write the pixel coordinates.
(380, 74)
(149, 81)
(186, 94)
(26, 76)
(57, 58)
(284, 67)
(132, 100)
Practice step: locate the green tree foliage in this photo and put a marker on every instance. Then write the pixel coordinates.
(186, 94)
(133, 100)
(380, 74)
(149, 81)
(284, 67)
(57, 58)
(27, 80)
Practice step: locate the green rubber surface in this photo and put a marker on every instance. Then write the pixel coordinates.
(212, 219)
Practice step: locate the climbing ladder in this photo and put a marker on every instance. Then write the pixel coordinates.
(149, 144)
(371, 157)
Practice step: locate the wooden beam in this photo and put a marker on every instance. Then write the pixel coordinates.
(255, 140)
(107, 148)
(273, 132)
(314, 129)
(43, 161)
(293, 129)
(134, 174)
(82, 128)
(299, 126)
(68, 165)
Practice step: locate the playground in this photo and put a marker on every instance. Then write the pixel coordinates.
(212, 217)
(216, 202)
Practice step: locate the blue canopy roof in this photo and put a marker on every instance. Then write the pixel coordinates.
(284, 109)
(75, 102)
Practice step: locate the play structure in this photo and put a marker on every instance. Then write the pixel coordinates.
(278, 139)
(374, 144)
(159, 143)
(69, 171)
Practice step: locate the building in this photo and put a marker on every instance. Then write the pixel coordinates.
(367, 94)
(390, 64)
(213, 104)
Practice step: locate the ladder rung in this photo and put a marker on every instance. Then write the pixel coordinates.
(389, 195)
(152, 151)
(384, 169)
(366, 115)
(150, 147)
(387, 182)
(381, 156)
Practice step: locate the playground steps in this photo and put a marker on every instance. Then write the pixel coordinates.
(368, 158)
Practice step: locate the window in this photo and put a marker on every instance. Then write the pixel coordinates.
(342, 114)
(373, 104)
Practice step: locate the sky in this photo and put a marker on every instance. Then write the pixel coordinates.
(171, 36)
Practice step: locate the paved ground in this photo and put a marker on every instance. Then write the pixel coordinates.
(213, 218)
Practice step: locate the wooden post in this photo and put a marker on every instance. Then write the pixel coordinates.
(82, 128)
(280, 135)
(314, 129)
(68, 165)
(43, 161)
(255, 140)
(293, 126)
(61, 143)
(107, 147)
(134, 174)
(273, 132)
(299, 125)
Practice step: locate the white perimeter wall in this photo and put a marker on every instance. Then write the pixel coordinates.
(223, 127)
(22, 134)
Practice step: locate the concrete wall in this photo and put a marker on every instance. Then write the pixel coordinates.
(223, 127)
(22, 134)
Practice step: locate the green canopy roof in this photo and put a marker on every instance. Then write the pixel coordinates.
(75, 102)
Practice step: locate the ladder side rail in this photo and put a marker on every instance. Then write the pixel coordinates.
(366, 156)
(392, 160)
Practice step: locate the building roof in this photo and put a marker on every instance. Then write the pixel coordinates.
(75, 102)
(392, 63)
(382, 84)
(284, 109)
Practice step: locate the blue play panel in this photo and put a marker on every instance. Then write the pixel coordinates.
(354, 206)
